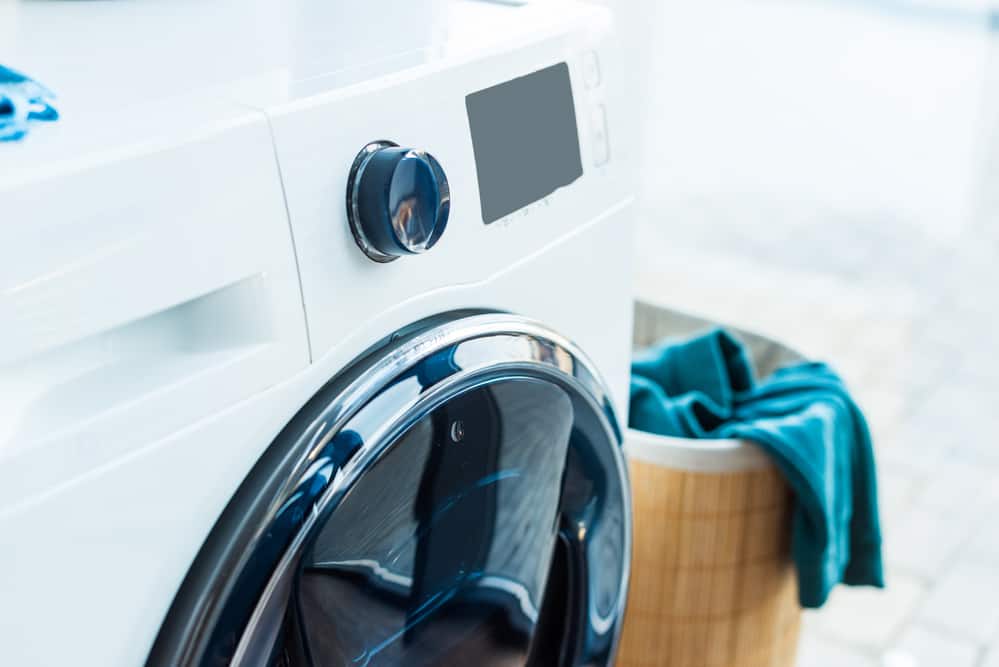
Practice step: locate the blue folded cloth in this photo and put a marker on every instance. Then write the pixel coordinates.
(804, 419)
(22, 101)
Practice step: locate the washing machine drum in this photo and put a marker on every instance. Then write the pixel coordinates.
(457, 497)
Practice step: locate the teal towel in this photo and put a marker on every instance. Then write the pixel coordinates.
(805, 420)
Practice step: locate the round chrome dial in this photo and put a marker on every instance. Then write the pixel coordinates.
(398, 201)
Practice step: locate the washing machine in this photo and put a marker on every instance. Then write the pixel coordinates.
(316, 324)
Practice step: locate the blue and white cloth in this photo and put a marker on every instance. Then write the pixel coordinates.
(23, 101)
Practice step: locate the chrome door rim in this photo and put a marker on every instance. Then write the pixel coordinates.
(511, 345)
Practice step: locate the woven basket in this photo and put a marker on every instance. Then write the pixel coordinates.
(712, 583)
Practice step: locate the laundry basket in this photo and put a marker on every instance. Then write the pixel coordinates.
(712, 581)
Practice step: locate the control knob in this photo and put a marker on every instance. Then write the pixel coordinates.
(398, 201)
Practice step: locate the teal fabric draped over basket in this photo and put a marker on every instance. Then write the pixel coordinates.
(803, 417)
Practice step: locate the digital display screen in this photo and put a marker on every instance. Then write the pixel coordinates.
(525, 140)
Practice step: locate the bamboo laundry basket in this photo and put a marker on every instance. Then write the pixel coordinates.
(712, 581)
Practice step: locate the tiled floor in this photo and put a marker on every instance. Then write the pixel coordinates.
(875, 248)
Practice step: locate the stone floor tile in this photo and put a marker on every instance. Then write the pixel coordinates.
(897, 488)
(920, 646)
(959, 405)
(963, 602)
(955, 330)
(914, 450)
(975, 440)
(979, 367)
(913, 380)
(869, 617)
(924, 541)
(928, 432)
(883, 406)
(978, 450)
(957, 486)
(992, 656)
(817, 652)
(983, 546)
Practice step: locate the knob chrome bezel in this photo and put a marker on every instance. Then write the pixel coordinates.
(353, 215)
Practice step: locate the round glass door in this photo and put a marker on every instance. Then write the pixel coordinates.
(470, 511)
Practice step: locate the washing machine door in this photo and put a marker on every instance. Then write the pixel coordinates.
(457, 497)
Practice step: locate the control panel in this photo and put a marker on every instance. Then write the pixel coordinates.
(455, 169)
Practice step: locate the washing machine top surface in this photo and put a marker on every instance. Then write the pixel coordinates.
(127, 76)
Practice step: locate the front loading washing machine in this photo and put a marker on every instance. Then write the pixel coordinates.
(315, 353)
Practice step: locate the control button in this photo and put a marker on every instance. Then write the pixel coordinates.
(598, 134)
(591, 69)
(398, 201)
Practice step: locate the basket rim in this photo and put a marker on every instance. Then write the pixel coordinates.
(694, 455)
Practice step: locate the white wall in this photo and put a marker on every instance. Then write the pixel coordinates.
(875, 107)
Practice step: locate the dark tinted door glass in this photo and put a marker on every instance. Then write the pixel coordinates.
(440, 554)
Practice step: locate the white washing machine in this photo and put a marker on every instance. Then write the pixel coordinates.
(315, 336)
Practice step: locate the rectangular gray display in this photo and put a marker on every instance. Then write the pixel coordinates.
(525, 140)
